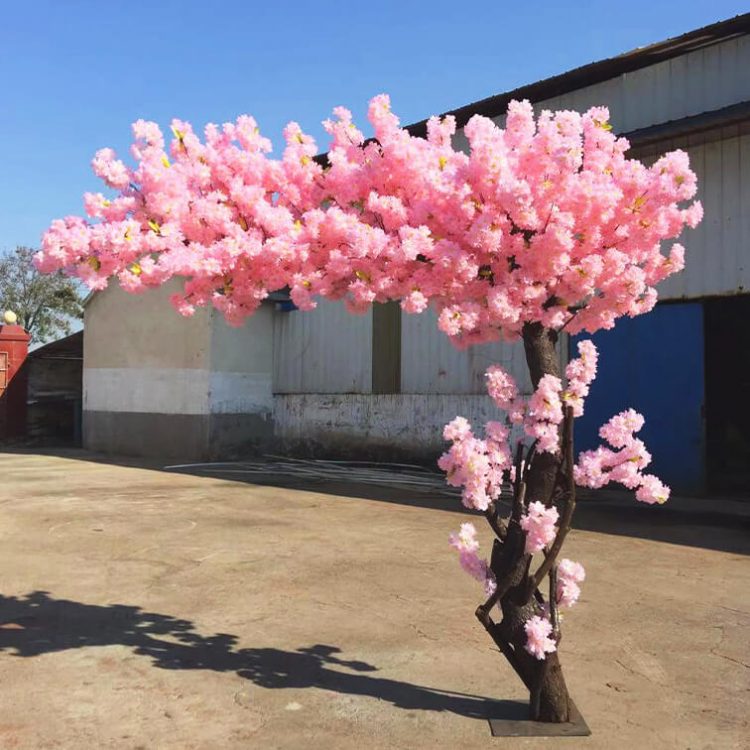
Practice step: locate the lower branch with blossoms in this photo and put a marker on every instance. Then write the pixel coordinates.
(527, 581)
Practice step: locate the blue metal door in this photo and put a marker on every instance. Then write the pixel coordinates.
(654, 364)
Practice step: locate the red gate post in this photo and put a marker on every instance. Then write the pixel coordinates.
(14, 346)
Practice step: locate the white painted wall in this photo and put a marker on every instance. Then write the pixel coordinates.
(140, 355)
(158, 390)
(241, 362)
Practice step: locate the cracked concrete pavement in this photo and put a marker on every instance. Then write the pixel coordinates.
(146, 609)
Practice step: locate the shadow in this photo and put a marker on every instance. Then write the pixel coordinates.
(717, 523)
(38, 624)
(432, 494)
(694, 522)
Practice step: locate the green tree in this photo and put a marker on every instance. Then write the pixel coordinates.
(46, 304)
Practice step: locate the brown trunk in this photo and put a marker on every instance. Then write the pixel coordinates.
(551, 701)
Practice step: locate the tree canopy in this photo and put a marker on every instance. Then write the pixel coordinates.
(46, 304)
(542, 227)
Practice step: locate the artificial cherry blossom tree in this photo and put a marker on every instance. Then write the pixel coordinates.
(539, 228)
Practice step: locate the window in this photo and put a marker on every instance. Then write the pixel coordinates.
(3, 371)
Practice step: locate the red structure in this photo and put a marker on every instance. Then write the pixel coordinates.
(14, 346)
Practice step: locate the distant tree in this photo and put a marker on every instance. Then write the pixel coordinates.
(46, 304)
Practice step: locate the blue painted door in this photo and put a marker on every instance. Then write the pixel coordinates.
(654, 364)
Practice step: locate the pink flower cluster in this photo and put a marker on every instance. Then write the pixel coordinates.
(580, 373)
(539, 523)
(538, 641)
(569, 577)
(476, 464)
(468, 551)
(625, 464)
(546, 220)
(544, 414)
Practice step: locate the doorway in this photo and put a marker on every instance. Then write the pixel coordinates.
(727, 366)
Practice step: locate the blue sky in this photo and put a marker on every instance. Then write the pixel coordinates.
(75, 73)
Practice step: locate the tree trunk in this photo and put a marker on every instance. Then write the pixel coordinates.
(550, 701)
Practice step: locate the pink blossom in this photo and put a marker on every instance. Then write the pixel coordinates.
(538, 642)
(596, 468)
(618, 432)
(544, 413)
(539, 524)
(465, 542)
(458, 429)
(545, 221)
(501, 386)
(580, 373)
(652, 490)
(569, 577)
(111, 169)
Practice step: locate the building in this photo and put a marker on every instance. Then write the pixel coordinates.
(54, 374)
(386, 383)
(14, 346)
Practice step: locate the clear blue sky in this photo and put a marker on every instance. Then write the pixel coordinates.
(75, 73)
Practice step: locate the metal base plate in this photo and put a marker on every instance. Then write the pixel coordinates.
(513, 721)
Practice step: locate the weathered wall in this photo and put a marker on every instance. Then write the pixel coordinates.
(240, 383)
(159, 384)
(325, 350)
(389, 425)
(373, 425)
(145, 376)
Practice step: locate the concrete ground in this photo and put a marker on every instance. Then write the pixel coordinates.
(146, 609)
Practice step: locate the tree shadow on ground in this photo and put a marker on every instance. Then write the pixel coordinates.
(38, 624)
(690, 521)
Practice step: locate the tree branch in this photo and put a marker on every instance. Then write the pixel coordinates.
(499, 526)
(553, 616)
(507, 650)
(567, 514)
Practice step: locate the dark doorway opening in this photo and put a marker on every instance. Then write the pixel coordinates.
(727, 367)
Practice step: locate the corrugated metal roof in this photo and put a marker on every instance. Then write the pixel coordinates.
(598, 72)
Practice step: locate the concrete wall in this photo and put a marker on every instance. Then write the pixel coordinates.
(240, 383)
(407, 425)
(145, 375)
(158, 384)
(373, 425)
